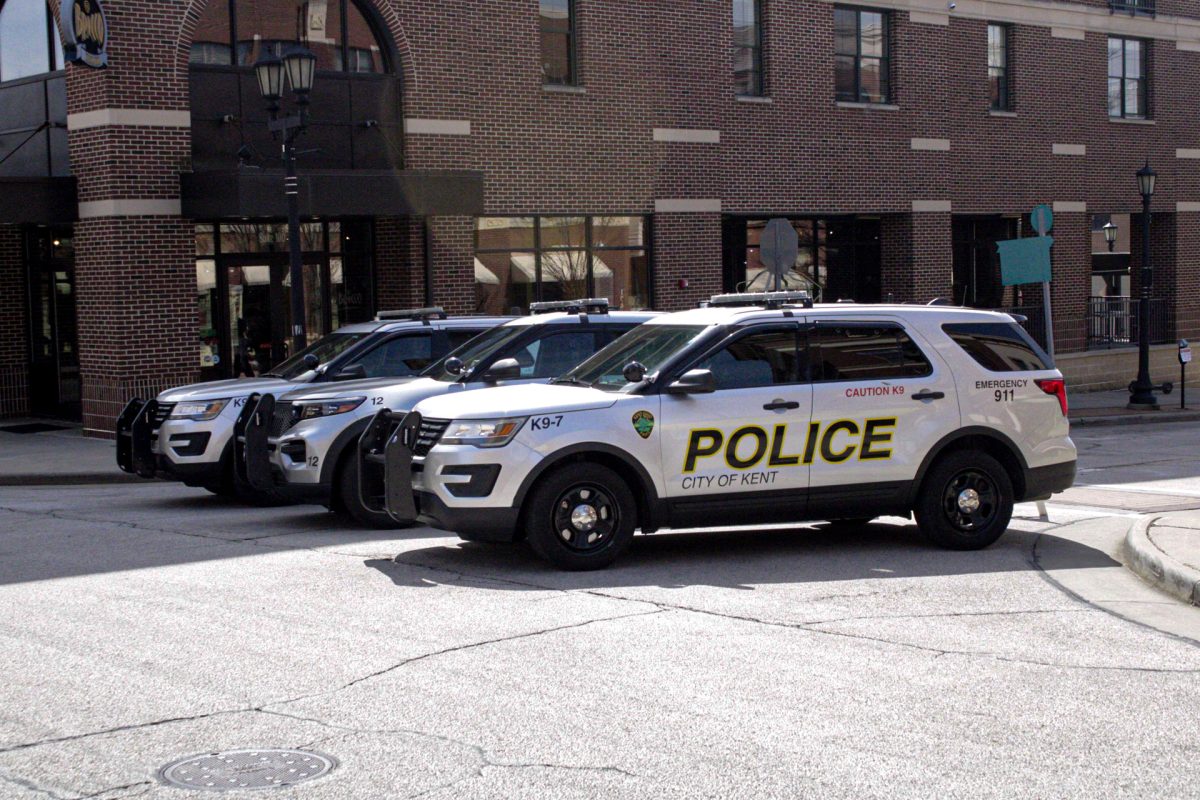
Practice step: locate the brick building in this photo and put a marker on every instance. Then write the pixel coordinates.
(480, 154)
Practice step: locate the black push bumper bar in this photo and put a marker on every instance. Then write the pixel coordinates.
(251, 453)
(135, 438)
(385, 454)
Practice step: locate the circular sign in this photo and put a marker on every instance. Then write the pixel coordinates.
(85, 29)
(1042, 219)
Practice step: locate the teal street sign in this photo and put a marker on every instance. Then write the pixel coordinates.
(1025, 260)
(1042, 219)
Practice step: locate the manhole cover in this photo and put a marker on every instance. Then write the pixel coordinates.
(247, 769)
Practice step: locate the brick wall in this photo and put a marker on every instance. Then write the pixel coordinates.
(1071, 270)
(399, 262)
(1186, 276)
(452, 259)
(14, 333)
(917, 258)
(685, 247)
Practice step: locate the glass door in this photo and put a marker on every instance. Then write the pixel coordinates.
(258, 311)
(54, 357)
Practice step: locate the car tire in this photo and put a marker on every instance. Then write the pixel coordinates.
(580, 517)
(965, 502)
(350, 502)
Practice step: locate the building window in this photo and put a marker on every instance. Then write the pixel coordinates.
(860, 55)
(998, 72)
(520, 260)
(838, 258)
(243, 31)
(747, 47)
(1127, 78)
(29, 40)
(558, 42)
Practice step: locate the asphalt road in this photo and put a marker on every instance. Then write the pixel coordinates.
(140, 624)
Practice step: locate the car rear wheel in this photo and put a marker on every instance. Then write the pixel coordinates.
(966, 501)
(580, 517)
(350, 500)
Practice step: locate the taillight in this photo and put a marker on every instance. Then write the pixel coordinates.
(1056, 387)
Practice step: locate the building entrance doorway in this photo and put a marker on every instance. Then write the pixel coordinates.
(54, 388)
(243, 287)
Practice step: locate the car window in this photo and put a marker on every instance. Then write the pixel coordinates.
(865, 353)
(399, 357)
(764, 358)
(555, 354)
(457, 337)
(998, 346)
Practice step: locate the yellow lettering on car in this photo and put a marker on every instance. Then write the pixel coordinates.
(747, 446)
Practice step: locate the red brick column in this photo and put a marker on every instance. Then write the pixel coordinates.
(687, 246)
(14, 336)
(917, 257)
(399, 262)
(1071, 280)
(452, 256)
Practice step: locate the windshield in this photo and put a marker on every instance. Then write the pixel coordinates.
(325, 349)
(474, 351)
(651, 345)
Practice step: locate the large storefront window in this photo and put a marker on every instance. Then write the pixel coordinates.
(29, 40)
(520, 260)
(838, 259)
(243, 289)
(336, 31)
(977, 261)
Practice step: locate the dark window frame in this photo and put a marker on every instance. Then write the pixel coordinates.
(1143, 111)
(572, 34)
(758, 68)
(1004, 101)
(589, 247)
(885, 61)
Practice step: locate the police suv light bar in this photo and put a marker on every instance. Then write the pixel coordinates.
(767, 299)
(435, 312)
(591, 305)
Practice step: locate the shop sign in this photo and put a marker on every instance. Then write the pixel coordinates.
(86, 31)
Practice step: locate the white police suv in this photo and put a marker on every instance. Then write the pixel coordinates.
(304, 444)
(756, 408)
(186, 433)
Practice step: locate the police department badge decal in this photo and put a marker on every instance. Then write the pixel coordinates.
(643, 423)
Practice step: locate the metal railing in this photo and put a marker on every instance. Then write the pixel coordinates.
(1131, 7)
(1113, 322)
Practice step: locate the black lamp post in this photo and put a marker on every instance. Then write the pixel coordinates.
(298, 67)
(1110, 234)
(1141, 391)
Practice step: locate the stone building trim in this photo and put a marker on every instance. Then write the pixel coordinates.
(932, 206)
(928, 17)
(1070, 207)
(1187, 152)
(1187, 207)
(130, 208)
(688, 205)
(919, 143)
(140, 117)
(1068, 149)
(687, 135)
(437, 127)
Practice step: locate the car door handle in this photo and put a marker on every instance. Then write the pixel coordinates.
(779, 405)
(928, 395)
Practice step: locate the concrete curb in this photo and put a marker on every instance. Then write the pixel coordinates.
(1140, 418)
(71, 479)
(1158, 568)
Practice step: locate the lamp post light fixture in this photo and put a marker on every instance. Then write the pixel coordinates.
(297, 68)
(1110, 234)
(1141, 391)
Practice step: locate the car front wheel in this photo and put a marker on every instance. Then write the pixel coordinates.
(580, 517)
(966, 501)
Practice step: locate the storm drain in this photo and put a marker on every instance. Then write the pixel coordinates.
(247, 769)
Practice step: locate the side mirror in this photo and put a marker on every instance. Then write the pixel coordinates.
(506, 369)
(311, 361)
(694, 381)
(453, 365)
(352, 372)
(634, 372)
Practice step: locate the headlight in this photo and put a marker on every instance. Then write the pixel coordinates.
(328, 408)
(200, 410)
(482, 432)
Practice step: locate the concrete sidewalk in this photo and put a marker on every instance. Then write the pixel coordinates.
(1165, 551)
(1109, 408)
(58, 457)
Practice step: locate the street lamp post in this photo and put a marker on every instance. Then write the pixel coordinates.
(298, 67)
(1141, 391)
(1110, 234)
